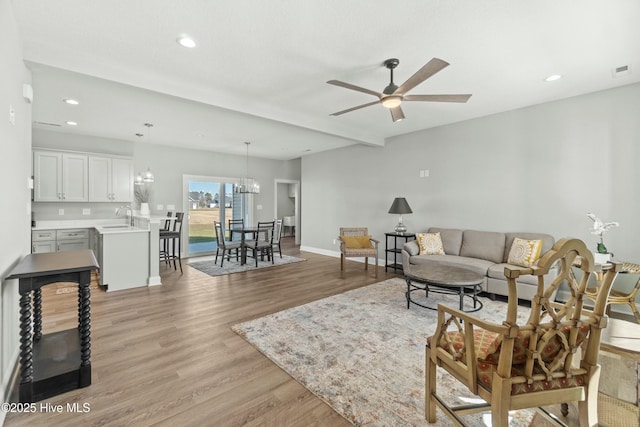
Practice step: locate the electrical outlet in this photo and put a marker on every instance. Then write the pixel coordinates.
(159, 207)
(86, 211)
(12, 115)
(60, 212)
(259, 207)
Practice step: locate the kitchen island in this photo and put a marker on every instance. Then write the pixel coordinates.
(127, 254)
(123, 255)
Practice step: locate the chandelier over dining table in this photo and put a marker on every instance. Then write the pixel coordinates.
(247, 184)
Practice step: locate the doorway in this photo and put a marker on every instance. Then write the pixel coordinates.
(287, 207)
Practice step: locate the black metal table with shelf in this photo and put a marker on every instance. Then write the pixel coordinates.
(395, 250)
(53, 363)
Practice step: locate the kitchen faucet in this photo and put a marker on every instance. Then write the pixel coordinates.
(127, 208)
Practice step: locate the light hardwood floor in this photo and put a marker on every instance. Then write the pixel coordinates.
(166, 356)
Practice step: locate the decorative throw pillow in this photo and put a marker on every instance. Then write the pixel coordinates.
(357, 242)
(524, 253)
(430, 243)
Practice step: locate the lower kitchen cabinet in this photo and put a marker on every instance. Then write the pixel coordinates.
(59, 240)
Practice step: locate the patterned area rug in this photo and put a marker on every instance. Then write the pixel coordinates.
(363, 353)
(234, 267)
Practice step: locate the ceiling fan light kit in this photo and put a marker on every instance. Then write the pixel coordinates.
(392, 96)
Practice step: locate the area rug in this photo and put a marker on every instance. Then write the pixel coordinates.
(363, 353)
(234, 267)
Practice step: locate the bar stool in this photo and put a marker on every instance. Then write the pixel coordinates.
(173, 237)
(164, 243)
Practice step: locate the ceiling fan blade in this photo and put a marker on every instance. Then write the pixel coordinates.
(437, 98)
(428, 70)
(356, 108)
(396, 113)
(354, 87)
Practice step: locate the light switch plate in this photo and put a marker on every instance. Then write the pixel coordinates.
(60, 212)
(159, 207)
(86, 211)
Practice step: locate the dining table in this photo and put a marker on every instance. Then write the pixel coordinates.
(244, 232)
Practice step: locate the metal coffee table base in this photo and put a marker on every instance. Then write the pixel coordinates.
(445, 280)
(470, 292)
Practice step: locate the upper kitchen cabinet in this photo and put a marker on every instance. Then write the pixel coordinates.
(60, 177)
(110, 179)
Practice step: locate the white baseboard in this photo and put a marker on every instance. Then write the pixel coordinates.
(336, 254)
(154, 281)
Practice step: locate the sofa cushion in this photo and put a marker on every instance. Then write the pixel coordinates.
(430, 243)
(451, 239)
(477, 265)
(547, 242)
(488, 245)
(496, 271)
(412, 247)
(524, 253)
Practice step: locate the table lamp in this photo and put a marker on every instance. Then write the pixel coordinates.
(400, 206)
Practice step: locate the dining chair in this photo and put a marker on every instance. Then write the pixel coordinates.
(234, 224)
(262, 244)
(277, 234)
(225, 245)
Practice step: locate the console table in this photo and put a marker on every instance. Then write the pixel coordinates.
(395, 250)
(57, 362)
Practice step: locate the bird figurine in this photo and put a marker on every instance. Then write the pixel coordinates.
(599, 228)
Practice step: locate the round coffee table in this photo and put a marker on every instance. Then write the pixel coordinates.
(444, 279)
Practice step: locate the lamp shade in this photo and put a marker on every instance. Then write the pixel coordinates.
(400, 206)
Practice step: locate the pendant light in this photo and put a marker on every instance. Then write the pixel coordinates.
(247, 184)
(147, 177)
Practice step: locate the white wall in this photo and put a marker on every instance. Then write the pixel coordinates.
(15, 169)
(538, 169)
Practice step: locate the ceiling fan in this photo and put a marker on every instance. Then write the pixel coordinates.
(392, 95)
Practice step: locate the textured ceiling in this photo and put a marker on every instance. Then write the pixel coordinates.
(259, 71)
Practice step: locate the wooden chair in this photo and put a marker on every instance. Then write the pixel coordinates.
(551, 358)
(277, 234)
(619, 297)
(224, 245)
(355, 244)
(263, 243)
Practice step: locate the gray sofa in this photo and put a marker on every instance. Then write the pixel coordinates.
(484, 252)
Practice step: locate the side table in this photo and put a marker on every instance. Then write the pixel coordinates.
(395, 249)
(54, 363)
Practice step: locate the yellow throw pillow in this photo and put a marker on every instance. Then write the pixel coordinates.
(357, 242)
(430, 243)
(524, 253)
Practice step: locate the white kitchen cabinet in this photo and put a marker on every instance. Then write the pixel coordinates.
(43, 241)
(60, 177)
(59, 240)
(72, 240)
(110, 179)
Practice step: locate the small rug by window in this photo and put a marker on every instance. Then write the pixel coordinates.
(234, 266)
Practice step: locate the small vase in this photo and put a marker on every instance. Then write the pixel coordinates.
(144, 209)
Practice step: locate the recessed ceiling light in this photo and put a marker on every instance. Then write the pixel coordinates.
(186, 41)
(71, 101)
(553, 78)
(70, 123)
